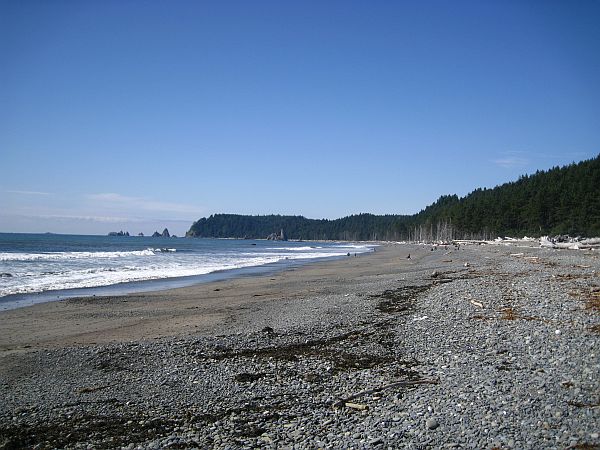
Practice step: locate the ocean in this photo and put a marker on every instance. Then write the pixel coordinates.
(38, 268)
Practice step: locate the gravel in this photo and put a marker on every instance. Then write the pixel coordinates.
(482, 347)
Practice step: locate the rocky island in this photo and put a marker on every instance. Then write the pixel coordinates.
(165, 233)
(119, 233)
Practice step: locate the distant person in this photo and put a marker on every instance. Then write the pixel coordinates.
(408, 257)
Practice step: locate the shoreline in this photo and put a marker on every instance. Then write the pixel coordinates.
(482, 347)
(190, 309)
(15, 301)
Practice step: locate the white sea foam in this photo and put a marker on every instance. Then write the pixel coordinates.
(293, 249)
(73, 255)
(105, 276)
(357, 246)
(49, 271)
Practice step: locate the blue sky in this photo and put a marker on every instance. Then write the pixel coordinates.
(138, 115)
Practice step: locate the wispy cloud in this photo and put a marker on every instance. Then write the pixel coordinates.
(103, 219)
(511, 160)
(143, 204)
(28, 192)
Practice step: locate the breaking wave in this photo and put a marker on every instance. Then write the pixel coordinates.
(55, 256)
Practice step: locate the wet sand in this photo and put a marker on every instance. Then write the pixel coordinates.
(203, 309)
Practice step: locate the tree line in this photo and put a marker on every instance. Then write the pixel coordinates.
(562, 200)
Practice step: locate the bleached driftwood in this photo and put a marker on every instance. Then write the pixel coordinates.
(584, 244)
(358, 406)
(345, 401)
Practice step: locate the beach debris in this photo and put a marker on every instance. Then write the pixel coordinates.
(466, 264)
(567, 242)
(508, 313)
(268, 330)
(590, 296)
(418, 319)
(435, 274)
(85, 390)
(357, 406)
(404, 383)
(400, 300)
(476, 303)
(5, 275)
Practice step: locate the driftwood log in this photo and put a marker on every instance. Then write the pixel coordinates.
(344, 401)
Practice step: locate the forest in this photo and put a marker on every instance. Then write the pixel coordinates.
(561, 200)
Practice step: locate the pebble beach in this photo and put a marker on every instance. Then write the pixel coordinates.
(485, 346)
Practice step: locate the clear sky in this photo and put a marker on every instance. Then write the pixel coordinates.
(137, 115)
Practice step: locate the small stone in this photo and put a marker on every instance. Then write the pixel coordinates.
(431, 423)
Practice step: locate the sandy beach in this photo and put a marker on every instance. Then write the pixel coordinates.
(481, 347)
(204, 309)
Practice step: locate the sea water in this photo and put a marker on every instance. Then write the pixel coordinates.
(44, 267)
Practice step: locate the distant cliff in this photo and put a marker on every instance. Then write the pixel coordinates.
(562, 200)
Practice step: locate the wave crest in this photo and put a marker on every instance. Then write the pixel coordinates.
(53, 256)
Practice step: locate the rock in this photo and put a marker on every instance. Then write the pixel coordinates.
(6, 275)
(431, 423)
(119, 233)
(165, 233)
(248, 377)
(277, 237)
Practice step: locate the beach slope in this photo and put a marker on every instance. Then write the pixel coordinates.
(485, 346)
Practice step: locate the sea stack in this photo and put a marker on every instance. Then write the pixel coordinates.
(277, 236)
